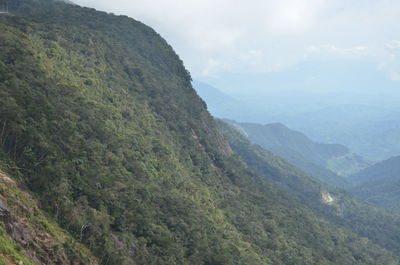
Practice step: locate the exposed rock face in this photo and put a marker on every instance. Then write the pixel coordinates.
(222, 145)
(7, 180)
(22, 217)
(326, 197)
(5, 215)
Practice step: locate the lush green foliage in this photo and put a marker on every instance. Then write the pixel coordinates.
(43, 242)
(99, 117)
(345, 211)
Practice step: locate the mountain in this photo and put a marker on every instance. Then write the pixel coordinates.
(214, 97)
(369, 130)
(339, 207)
(313, 81)
(380, 183)
(366, 122)
(101, 126)
(222, 105)
(324, 161)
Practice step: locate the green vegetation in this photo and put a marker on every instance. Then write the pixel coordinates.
(9, 250)
(101, 124)
(327, 162)
(346, 211)
(379, 184)
(33, 234)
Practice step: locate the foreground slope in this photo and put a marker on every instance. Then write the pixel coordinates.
(379, 184)
(28, 237)
(99, 117)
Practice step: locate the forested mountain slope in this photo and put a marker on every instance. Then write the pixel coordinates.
(340, 208)
(303, 152)
(380, 183)
(100, 123)
(296, 158)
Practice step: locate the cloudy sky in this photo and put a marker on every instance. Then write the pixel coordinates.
(218, 39)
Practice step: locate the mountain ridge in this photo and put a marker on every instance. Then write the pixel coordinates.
(379, 183)
(340, 207)
(101, 124)
(328, 162)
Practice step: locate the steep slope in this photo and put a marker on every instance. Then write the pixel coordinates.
(388, 169)
(379, 184)
(300, 150)
(99, 117)
(339, 207)
(27, 236)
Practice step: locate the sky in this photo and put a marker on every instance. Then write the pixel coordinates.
(223, 40)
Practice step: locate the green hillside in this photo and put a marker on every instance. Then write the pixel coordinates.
(340, 207)
(379, 184)
(327, 162)
(100, 123)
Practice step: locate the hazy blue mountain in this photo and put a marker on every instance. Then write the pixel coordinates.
(296, 147)
(327, 162)
(218, 103)
(388, 169)
(309, 78)
(108, 150)
(211, 94)
(380, 183)
(340, 207)
(367, 122)
(222, 105)
(100, 124)
(368, 130)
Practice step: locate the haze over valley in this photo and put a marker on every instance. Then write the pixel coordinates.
(199, 132)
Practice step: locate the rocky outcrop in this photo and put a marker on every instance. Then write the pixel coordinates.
(5, 215)
(208, 124)
(42, 241)
(326, 197)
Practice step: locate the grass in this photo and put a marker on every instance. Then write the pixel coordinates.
(10, 249)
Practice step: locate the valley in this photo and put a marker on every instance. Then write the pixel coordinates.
(110, 153)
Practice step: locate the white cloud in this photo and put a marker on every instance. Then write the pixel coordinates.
(393, 45)
(333, 52)
(293, 16)
(390, 60)
(217, 36)
(211, 66)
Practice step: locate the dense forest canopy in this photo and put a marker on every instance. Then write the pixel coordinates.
(99, 122)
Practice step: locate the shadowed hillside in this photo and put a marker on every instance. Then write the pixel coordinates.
(380, 183)
(100, 123)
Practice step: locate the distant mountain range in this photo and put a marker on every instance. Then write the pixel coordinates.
(328, 162)
(218, 102)
(380, 183)
(222, 105)
(370, 130)
(336, 205)
(108, 156)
